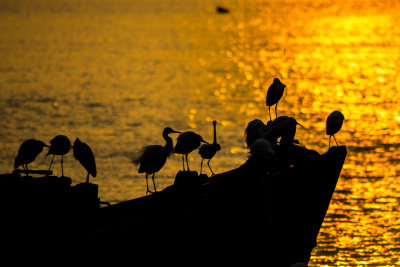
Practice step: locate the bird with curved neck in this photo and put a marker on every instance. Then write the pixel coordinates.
(152, 158)
(207, 151)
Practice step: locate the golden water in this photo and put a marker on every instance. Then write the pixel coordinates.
(115, 73)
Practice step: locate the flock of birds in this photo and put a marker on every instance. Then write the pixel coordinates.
(260, 138)
(59, 145)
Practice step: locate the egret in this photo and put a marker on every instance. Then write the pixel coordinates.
(283, 127)
(261, 150)
(28, 152)
(333, 124)
(152, 158)
(186, 143)
(85, 156)
(274, 94)
(207, 151)
(254, 130)
(59, 145)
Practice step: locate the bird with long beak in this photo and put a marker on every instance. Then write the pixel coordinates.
(152, 158)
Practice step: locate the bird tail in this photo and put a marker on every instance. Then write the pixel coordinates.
(137, 158)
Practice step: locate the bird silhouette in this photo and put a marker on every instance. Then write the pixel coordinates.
(207, 151)
(28, 152)
(186, 143)
(59, 145)
(283, 127)
(261, 150)
(274, 94)
(254, 130)
(333, 124)
(152, 158)
(84, 154)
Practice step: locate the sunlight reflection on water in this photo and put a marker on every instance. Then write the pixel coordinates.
(115, 73)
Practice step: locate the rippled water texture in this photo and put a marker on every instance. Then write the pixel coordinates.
(115, 73)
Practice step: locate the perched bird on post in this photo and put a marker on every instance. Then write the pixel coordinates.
(85, 156)
(59, 145)
(274, 94)
(28, 152)
(207, 151)
(186, 143)
(152, 158)
(333, 124)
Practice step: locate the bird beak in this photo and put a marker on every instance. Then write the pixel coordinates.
(202, 140)
(300, 125)
(175, 131)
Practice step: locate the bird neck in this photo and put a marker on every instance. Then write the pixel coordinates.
(215, 135)
(168, 145)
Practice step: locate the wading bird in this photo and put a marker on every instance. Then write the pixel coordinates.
(85, 156)
(28, 152)
(261, 150)
(207, 151)
(152, 158)
(283, 127)
(274, 94)
(59, 145)
(254, 130)
(333, 124)
(186, 143)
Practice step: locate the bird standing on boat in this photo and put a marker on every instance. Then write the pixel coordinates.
(84, 154)
(274, 94)
(152, 158)
(28, 152)
(254, 130)
(283, 127)
(333, 124)
(261, 150)
(207, 151)
(59, 145)
(186, 143)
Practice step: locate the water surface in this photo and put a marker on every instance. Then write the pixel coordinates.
(115, 73)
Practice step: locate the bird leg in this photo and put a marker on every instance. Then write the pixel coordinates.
(208, 163)
(62, 168)
(154, 184)
(25, 167)
(329, 142)
(87, 178)
(276, 110)
(187, 162)
(147, 184)
(183, 163)
(201, 165)
(269, 111)
(51, 163)
(335, 140)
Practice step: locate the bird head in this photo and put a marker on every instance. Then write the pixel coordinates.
(168, 130)
(215, 122)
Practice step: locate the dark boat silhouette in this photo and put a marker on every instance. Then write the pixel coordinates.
(240, 214)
